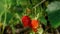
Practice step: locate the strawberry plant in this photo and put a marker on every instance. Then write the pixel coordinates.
(29, 17)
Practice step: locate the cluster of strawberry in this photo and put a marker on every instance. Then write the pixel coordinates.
(32, 23)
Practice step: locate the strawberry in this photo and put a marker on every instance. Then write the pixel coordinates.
(34, 25)
(26, 21)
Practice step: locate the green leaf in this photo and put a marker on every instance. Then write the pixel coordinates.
(9, 16)
(4, 8)
(53, 10)
(40, 31)
(24, 3)
(43, 21)
(1, 6)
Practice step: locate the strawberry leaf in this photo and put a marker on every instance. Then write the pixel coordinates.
(53, 10)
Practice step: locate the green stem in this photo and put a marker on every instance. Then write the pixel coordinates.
(4, 24)
(38, 15)
(39, 3)
(35, 11)
(0, 18)
(5, 18)
(18, 16)
(17, 2)
(1, 15)
(13, 30)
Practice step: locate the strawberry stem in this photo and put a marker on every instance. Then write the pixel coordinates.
(5, 7)
(1, 15)
(37, 16)
(39, 3)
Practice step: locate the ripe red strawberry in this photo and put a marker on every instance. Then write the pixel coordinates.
(26, 21)
(34, 25)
